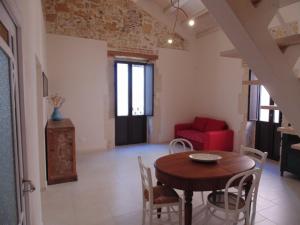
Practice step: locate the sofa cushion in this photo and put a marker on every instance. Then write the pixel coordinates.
(199, 123)
(214, 125)
(192, 135)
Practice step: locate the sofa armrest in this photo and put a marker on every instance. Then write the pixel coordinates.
(182, 126)
(219, 140)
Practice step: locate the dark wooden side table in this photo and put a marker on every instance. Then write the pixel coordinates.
(60, 151)
(180, 172)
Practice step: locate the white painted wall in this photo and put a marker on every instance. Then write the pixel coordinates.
(176, 73)
(219, 82)
(188, 83)
(77, 70)
(30, 19)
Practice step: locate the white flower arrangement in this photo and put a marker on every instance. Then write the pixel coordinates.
(56, 100)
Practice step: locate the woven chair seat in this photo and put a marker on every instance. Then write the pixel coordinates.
(162, 195)
(218, 199)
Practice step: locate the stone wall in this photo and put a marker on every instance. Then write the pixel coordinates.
(121, 23)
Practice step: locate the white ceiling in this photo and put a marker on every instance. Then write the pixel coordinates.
(205, 23)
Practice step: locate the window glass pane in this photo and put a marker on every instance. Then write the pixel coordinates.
(253, 76)
(264, 100)
(264, 115)
(138, 93)
(276, 116)
(264, 96)
(122, 89)
(8, 197)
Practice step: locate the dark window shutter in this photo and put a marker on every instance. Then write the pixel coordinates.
(149, 89)
(253, 104)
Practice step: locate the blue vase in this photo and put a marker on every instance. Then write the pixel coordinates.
(56, 115)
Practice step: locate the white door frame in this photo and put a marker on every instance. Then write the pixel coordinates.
(14, 13)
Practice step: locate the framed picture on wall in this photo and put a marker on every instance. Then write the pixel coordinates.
(45, 85)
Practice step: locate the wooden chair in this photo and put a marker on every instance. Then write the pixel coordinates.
(158, 197)
(186, 145)
(233, 204)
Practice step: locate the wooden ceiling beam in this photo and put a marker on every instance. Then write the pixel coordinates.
(150, 57)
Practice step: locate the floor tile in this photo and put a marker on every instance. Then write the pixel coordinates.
(108, 192)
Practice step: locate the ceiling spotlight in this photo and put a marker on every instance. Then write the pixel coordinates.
(170, 41)
(191, 22)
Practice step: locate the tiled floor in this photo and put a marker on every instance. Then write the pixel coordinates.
(108, 192)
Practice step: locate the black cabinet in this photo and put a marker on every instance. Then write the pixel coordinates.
(290, 158)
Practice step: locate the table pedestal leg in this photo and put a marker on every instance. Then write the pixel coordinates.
(188, 207)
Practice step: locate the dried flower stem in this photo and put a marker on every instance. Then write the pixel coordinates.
(56, 101)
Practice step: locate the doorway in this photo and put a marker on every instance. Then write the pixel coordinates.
(263, 110)
(267, 138)
(13, 187)
(133, 101)
(41, 123)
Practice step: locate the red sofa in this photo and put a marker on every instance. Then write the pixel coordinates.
(206, 134)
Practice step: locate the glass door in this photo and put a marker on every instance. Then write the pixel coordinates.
(134, 101)
(12, 197)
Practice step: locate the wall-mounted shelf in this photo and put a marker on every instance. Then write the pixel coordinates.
(251, 82)
(288, 41)
(270, 107)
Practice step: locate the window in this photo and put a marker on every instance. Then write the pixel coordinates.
(138, 90)
(134, 89)
(253, 99)
(264, 100)
(259, 97)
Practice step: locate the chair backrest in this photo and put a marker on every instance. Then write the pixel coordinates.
(239, 181)
(146, 179)
(185, 145)
(258, 156)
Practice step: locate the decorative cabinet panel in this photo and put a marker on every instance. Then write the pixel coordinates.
(61, 157)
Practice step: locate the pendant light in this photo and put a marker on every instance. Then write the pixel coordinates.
(178, 9)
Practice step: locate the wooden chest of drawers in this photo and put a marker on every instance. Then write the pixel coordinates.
(61, 157)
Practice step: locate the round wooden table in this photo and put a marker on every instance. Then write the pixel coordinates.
(180, 172)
